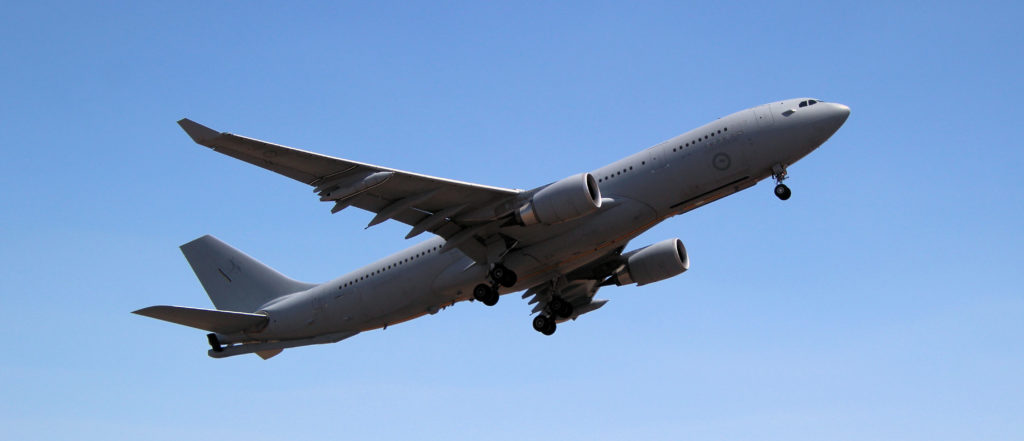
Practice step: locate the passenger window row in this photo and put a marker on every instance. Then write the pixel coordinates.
(617, 173)
(699, 139)
(388, 267)
(706, 137)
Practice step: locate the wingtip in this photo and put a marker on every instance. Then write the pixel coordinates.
(147, 311)
(198, 132)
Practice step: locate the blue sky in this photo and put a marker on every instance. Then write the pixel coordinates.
(880, 302)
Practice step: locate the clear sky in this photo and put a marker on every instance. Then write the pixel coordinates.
(881, 302)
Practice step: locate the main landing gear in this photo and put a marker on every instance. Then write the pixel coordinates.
(779, 174)
(545, 321)
(486, 294)
(499, 276)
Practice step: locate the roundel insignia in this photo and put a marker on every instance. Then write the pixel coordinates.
(721, 161)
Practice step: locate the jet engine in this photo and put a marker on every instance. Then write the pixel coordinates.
(653, 263)
(565, 200)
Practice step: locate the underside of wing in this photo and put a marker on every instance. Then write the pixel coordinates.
(572, 295)
(448, 208)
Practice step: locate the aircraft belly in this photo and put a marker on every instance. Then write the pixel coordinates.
(458, 279)
(406, 295)
(589, 240)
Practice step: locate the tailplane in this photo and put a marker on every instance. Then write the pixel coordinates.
(233, 280)
(223, 322)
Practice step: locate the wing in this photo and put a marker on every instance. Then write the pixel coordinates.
(451, 209)
(578, 287)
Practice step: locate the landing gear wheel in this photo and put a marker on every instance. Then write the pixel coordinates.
(544, 324)
(492, 300)
(782, 192)
(560, 307)
(503, 276)
(486, 294)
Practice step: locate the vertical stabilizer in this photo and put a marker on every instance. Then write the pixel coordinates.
(233, 280)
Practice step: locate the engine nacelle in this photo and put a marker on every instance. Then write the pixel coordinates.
(565, 200)
(653, 263)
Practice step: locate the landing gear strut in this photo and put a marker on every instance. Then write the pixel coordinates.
(779, 174)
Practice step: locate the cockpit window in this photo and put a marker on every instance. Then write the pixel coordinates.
(803, 103)
(812, 102)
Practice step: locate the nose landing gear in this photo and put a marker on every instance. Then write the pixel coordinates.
(779, 174)
(783, 192)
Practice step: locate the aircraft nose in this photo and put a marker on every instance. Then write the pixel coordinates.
(834, 118)
(839, 113)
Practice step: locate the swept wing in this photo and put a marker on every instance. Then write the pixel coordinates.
(454, 210)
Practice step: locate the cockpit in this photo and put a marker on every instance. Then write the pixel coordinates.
(809, 103)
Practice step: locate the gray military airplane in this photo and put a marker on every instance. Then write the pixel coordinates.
(560, 242)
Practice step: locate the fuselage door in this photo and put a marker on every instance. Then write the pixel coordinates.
(763, 115)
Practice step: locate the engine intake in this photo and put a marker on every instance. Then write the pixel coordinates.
(565, 200)
(653, 263)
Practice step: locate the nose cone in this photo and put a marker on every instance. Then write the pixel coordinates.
(833, 117)
(838, 114)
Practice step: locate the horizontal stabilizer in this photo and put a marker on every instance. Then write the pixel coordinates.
(222, 322)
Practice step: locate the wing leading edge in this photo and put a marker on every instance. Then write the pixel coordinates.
(454, 210)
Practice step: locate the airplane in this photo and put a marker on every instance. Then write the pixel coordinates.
(560, 242)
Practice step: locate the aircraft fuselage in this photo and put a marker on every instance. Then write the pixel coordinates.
(695, 168)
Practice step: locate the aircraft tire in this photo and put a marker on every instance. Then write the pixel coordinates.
(493, 299)
(503, 276)
(485, 294)
(541, 323)
(509, 279)
(782, 192)
(550, 329)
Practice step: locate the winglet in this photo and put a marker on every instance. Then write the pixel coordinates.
(199, 133)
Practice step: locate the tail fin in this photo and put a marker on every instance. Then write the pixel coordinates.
(233, 280)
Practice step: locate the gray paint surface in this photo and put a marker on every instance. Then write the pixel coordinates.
(265, 312)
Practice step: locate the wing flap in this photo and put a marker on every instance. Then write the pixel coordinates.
(222, 322)
(406, 197)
